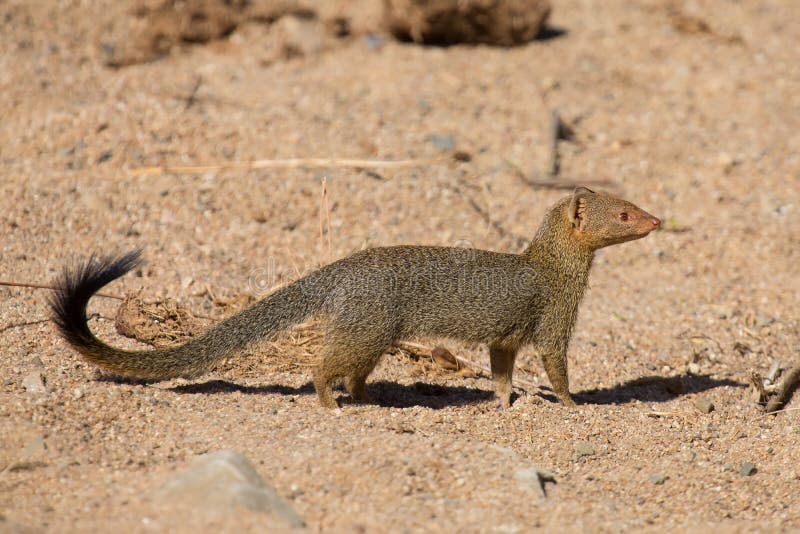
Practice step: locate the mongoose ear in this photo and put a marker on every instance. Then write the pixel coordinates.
(577, 208)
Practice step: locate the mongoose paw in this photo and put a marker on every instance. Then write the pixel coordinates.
(503, 403)
(568, 402)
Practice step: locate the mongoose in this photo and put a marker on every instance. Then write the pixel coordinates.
(381, 295)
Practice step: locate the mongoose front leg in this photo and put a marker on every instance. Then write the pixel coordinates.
(502, 363)
(351, 357)
(555, 364)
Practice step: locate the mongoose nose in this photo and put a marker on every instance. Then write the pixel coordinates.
(656, 222)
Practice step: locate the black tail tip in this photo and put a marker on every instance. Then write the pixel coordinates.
(79, 281)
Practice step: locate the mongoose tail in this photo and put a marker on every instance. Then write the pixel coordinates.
(77, 284)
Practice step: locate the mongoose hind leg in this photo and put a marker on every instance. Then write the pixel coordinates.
(356, 386)
(352, 358)
(323, 383)
(502, 363)
(555, 364)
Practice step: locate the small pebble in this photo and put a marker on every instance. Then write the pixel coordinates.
(374, 41)
(704, 405)
(34, 383)
(747, 469)
(584, 448)
(77, 393)
(763, 320)
(444, 142)
(658, 480)
(694, 368)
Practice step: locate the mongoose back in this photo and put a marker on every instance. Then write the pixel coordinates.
(382, 295)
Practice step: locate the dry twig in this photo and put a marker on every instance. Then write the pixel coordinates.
(520, 241)
(556, 128)
(412, 346)
(292, 163)
(53, 288)
(325, 217)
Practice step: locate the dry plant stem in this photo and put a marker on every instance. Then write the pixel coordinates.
(759, 393)
(781, 411)
(325, 217)
(567, 185)
(782, 394)
(469, 363)
(292, 163)
(21, 325)
(51, 288)
(521, 241)
(666, 414)
(555, 132)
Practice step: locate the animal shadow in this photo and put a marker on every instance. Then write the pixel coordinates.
(424, 394)
(653, 389)
(384, 393)
(224, 386)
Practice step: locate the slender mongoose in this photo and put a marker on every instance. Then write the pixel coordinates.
(381, 295)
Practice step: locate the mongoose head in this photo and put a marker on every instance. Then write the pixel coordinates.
(600, 220)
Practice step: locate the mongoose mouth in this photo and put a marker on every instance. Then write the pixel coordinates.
(650, 223)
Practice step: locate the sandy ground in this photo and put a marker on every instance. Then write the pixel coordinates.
(693, 117)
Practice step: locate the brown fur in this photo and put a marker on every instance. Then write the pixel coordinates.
(378, 296)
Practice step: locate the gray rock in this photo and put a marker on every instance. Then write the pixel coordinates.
(584, 448)
(535, 478)
(374, 41)
(444, 142)
(704, 405)
(34, 382)
(221, 481)
(658, 480)
(748, 469)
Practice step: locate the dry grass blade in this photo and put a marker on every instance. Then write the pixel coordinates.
(53, 288)
(325, 218)
(419, 347)
(668, 414)
(292, 163)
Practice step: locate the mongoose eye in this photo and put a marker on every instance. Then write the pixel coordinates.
(623, 216)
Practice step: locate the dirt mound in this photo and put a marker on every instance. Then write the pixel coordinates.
(152, 29)
(149, 30)
(444, 22)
